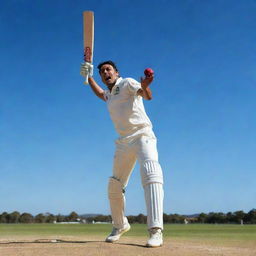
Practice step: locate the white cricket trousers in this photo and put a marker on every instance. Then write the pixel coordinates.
(143, 149)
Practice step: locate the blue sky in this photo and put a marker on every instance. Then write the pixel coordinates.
(56, 137)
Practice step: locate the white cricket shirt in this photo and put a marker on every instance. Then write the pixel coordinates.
(126, 108)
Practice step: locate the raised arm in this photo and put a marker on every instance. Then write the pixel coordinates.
(96, 88)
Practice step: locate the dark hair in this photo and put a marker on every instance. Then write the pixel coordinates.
(110, 62)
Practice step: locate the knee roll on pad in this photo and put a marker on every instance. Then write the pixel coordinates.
(151, 172)
(115, 189)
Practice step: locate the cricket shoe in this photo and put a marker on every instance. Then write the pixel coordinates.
(116, 233)
(156, 238)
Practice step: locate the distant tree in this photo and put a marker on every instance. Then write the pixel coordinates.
(182, 218)
(14, 217)
(40, 218)
(176, 218)
(102, 218)
(141, 218)
(202, 217)
(50, 218)
(230, 218)
(214, 217)
(60, 218)
(73, 216)
(131, 219)
(165, 218)
(221, 217)
(4, 217)
(109, 218)
(250, 217)
(26, 218)
(173, 218)
(238, 216)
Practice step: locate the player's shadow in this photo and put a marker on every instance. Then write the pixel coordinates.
(137, 245)
(58, 241)
(49, 241)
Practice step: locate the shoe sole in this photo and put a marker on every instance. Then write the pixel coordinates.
(152, 246)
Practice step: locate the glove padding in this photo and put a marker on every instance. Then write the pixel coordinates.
(86, 70)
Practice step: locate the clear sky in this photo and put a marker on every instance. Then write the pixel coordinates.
(56, 137)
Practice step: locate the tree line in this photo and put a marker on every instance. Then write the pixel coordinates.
(211, 218)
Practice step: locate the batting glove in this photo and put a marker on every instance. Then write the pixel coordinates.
(86, 70)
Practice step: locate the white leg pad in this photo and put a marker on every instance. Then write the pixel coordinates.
(152, 181)
(117, 202)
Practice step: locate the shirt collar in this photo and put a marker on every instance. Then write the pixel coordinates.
(117, 83)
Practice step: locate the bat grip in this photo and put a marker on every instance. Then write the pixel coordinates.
(86, 80)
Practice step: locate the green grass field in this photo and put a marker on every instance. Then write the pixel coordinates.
(191, 231)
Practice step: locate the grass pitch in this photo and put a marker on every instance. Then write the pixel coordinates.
(175, 231)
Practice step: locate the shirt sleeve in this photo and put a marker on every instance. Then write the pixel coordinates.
(133, 86)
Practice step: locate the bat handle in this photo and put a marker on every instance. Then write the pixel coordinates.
(86, 80)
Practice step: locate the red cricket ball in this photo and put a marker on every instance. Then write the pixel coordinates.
(148, 72)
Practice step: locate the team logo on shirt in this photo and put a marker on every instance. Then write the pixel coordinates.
(117, 90)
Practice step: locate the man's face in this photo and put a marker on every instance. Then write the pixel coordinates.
(108, 74)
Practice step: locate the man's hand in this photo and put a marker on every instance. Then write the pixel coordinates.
(146, 81)
(145, 91)
(86, 71)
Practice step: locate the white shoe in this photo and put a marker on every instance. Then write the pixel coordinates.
(156, 237)
(116, 233)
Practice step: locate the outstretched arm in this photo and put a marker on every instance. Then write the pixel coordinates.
(96, 88)
(145, 91)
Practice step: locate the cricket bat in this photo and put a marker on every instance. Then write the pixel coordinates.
(88, 29)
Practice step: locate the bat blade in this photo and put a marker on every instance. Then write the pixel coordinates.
(88, 32)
